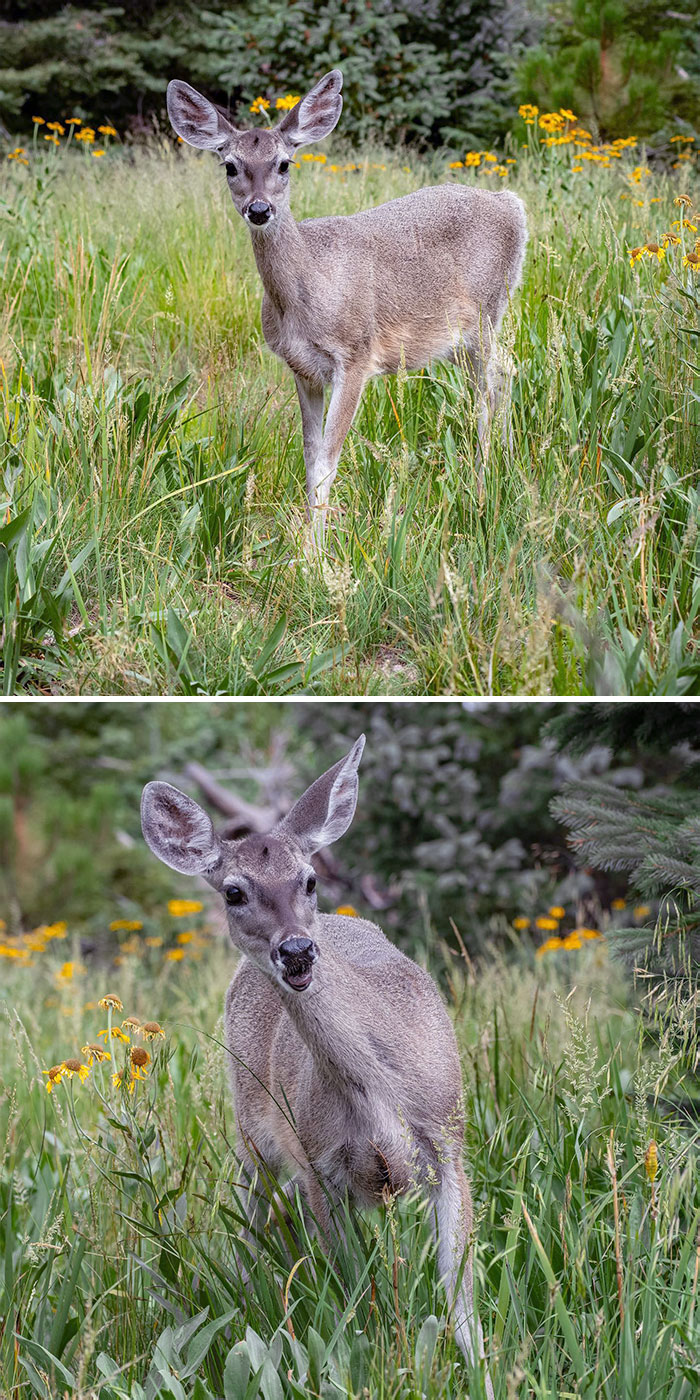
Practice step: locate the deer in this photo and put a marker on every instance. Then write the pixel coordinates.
(420, 278)
(343, 1060)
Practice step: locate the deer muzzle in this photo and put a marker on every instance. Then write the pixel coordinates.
(296, 957)
(259, 212)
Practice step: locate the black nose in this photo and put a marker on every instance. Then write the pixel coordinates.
(259, 211)
(296, 948)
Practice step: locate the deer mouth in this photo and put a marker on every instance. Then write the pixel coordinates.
(297, 973)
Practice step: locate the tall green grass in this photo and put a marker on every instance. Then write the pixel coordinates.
(121, 1223)
(152, 474)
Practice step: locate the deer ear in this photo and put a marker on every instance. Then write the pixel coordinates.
(317, 113)
(326, 809)
(178, 831)
(195, 119)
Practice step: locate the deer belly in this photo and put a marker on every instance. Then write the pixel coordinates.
(373, 1159)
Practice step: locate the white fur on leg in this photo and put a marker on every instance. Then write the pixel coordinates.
(452, 1231)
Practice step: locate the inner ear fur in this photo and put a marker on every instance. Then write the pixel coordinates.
(195, 118)
(316, 115)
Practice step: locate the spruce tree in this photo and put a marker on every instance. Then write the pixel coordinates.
(651, 834)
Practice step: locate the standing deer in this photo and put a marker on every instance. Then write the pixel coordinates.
(420, 278)
(344, 1064)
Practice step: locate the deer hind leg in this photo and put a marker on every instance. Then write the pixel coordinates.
(347, 390)
(454, 1224)
(491, 377)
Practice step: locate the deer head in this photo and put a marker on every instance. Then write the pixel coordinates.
(267, 881)
(257, 162)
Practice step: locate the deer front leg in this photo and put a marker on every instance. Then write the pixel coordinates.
(347, 390)
(311, 405)
(454, 1224)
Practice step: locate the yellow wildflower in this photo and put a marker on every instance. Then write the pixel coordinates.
(151, 1030)
(96, 154)
(128, 925)
(588, 934)
(40, 121)
(683, 200)
(175, 955)
(641, 911)
(655, 251)
(74, 121)
(115, 1034)
(635, 255)
(186, 937)
(544, 922)
(131, 1024)
(550, 946)
(285, 104)
(55, 1076)
(348, 909)
(456, 165)
(528, 112)
(557, 911)
(107, 130)
(260, 104)
(179, 907)
(73, 1066)
(651, 1160)
(110, 1002)
(570, 116)
(521, 922)
(58, 930)
(153, 941)
(692, 260)
(55, 126)
(618, 904)
(95, 1052)
(572, 941)
(489, 155)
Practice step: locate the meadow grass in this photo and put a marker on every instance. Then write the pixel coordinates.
(121, 1223)
(152, 472)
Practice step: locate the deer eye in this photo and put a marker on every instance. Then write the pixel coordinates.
(233, 894)
(283, 167)
(231, 169)
(311, 884)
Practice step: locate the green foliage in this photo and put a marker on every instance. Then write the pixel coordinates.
(653, 836)
(622, 66)
(158, 444)
(392, 85)
(425, 70)
(121, 1220)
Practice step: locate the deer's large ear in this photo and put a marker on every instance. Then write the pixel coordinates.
(178, 831)
(317, 113)
(195, 119)
(327, 808)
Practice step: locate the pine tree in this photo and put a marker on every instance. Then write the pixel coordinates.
(625, 66)
(652, 834)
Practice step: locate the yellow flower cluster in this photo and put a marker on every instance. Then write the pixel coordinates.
(690, 259)
(485, 161)
(259, 104)
(572, 942)
(137, 1058)
(549, 923)
(19, 154)
(285, 104)
(22, 947)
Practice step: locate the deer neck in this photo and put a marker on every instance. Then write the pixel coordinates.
(280, 255)
(334, 1018)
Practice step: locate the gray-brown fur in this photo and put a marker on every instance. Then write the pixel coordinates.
(343, 1060)
(420, 278)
